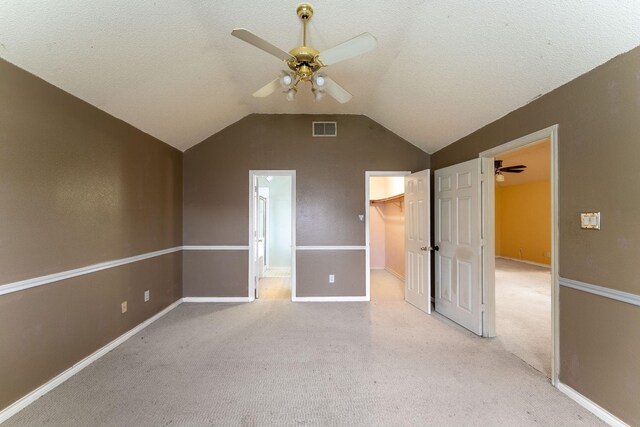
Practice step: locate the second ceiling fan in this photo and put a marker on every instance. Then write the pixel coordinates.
(499, 170)
(305, 62)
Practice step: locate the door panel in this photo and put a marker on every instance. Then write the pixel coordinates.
(457, 227)
(417, 229)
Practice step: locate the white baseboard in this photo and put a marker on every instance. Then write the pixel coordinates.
(330, 299)
(592, 407)
(393, 273)
(539, 264)
(215, 299)
(25, 401)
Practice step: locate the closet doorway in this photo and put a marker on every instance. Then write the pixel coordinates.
(385, 235)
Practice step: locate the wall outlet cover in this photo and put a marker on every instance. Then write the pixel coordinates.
(146, 296)
(123, 306)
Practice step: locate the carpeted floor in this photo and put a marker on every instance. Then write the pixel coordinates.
(274, 362)
(523, 312)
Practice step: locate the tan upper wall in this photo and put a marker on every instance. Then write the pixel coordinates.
(599, 130)
(78, 185)
(329, 176)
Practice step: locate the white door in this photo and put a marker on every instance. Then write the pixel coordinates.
(458, 244)
(262, 232)
(417, 228)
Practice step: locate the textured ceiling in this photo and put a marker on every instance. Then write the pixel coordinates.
(441, 70)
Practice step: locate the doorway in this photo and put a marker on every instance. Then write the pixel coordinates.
(272, 235)
(385, 226)
(520, 265)
(523, 253)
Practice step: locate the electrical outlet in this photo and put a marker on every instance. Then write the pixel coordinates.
(332, 278)
(146, 296)
(124, 307)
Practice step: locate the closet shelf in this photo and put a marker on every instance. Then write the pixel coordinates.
(393, 199)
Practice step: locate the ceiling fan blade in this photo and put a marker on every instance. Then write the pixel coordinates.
(349, 49)
(247, 36)
(336, 91)
(268, 89)
(512, 171)
(512, 168)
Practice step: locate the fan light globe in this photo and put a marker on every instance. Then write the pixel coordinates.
(286, 80)
(320, 81)
(291, 94)
(499, 177)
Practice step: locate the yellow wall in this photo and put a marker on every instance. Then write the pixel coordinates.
(523, 221)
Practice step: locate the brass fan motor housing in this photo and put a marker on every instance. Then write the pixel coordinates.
(305, 62)
(305, 59)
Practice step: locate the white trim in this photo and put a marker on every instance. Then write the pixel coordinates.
(367, 225)
(488, 236)
(591, 406)
(524, 261)
(56, 277)
(393, 273)
(215, 248)
(215, 299)
(23, 402)
(253, 174)
(614, 294)
(332, 299)
(521, 142)
(331, 248)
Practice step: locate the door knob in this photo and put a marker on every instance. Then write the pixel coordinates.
(434, 248)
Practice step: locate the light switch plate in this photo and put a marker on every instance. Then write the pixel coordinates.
(590, 220)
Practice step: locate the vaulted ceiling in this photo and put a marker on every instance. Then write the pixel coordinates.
(442, 69)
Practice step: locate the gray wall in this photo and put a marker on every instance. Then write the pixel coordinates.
(77, 187)
(599, 132)
(330, 194)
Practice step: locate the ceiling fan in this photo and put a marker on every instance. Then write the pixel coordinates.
(305, 62)
(499, 169)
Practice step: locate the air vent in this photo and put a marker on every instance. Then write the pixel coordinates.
(325, 129)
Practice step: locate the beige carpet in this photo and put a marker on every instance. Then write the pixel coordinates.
(274, 362)
(523, 312)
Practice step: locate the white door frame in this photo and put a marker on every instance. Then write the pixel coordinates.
(488, 236)
(253, 174)
(367, 175)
